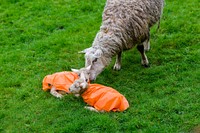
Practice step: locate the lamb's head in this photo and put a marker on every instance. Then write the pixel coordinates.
(78, 87)
(81, 84)
(97, 60)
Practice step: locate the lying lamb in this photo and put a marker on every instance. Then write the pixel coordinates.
(125, 24)
(59, 83)
(100, 98)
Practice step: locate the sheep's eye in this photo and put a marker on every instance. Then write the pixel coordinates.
(79, 74)
(86, 80)
(95, 60)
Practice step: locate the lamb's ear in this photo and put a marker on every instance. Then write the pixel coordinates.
(98, 53)
(84, 51)
(75, 70)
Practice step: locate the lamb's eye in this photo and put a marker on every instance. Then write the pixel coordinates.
(79, 74)
(86, 80)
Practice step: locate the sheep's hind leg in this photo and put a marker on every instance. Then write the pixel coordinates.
(144, 60)
(146, 44)
(117, 65)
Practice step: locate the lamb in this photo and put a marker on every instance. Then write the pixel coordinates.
(81, 84)
(59, 83)
(100, 98)
(125, 24)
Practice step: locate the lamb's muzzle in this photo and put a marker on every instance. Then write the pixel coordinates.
(78, 86)
(81, 84)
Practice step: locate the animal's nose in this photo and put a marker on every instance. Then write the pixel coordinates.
(92, 79)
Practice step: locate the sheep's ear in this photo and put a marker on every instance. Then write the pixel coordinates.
(88, 68)
(84, 51)
(75, 70)
(98, 53)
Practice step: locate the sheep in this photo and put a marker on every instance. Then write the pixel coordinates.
(125, 24)
(59, 83)
(99, 98)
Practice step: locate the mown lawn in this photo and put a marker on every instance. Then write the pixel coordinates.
(41, 37)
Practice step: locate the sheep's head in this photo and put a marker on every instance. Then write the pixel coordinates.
(96, 59)
(81, 84)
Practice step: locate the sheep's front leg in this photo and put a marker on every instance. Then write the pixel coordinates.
(117, 65)
(55, 93)
(144, 60)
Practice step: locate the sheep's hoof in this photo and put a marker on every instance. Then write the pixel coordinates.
(117, 67)
(146, 65)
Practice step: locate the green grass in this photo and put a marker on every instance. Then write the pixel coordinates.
(42, 37)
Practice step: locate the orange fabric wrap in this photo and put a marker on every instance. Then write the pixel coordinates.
(61, 80)
(99, 96)
(104, 98)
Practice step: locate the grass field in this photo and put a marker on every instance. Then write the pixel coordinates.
(41, 37)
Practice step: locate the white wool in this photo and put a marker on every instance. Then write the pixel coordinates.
(125, 24)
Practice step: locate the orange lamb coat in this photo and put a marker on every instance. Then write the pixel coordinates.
(104, 98)
(61, 80)
(99, 96)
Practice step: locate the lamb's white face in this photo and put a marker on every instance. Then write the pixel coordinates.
(97, 62)
(81, 84)
(78, 86)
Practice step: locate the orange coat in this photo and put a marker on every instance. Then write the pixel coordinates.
(104, 98)
(61, 80)
(99, 96)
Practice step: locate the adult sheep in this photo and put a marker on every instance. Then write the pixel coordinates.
(125, 24)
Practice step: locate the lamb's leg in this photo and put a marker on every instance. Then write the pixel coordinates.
(55, 93)
(117, 65)
(92, 109)
(62, 92)
(77, 95)
(144, 60)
